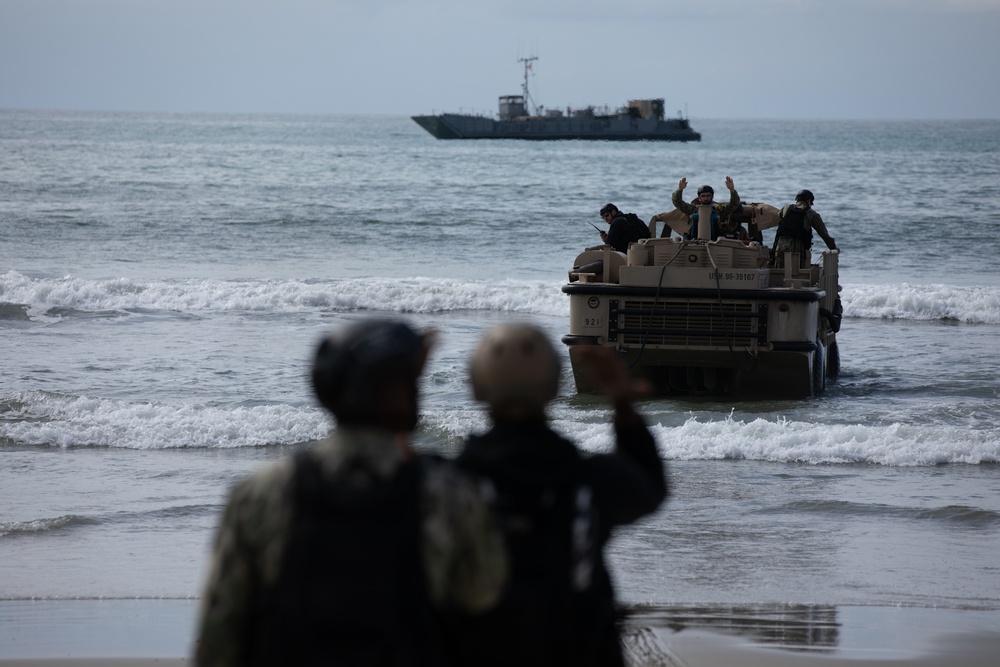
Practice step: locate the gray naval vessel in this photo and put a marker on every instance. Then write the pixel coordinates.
(639, 120)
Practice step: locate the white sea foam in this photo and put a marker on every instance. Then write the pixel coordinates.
(47, 419)
(40, 525)
(777, 439)
(979, 305)
(52, 420)
(432, 295)
(410, 295)
(787, 441)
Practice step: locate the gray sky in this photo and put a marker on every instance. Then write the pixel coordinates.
(814, 59)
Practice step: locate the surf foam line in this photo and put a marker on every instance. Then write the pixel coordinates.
(12, 528)
(776, 440)
(785, 441)
(973, 305)
(43, 419)
(46, 297)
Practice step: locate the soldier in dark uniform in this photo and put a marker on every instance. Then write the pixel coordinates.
(624, 228)
(556, 507)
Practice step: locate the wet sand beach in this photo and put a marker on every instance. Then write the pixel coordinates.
(139, 633)
(96, 632)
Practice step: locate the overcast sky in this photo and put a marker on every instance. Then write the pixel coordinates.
(813, 59)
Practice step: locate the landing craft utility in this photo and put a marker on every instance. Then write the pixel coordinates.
(640, 120)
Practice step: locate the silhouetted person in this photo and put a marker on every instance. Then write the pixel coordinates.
(346, 554)
(556, 507)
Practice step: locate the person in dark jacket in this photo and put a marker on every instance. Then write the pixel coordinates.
(556, 507)
(624, 228)
(349, 552)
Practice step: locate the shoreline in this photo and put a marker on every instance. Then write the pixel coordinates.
(146, 632)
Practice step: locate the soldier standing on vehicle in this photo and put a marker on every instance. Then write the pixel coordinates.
(796, 223)
(706, 197)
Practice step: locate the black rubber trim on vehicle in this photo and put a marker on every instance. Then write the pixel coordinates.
(572, 339)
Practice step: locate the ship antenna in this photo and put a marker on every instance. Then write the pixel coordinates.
(527, 66)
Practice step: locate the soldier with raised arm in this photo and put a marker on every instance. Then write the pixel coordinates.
(706, 197)
(556, 506)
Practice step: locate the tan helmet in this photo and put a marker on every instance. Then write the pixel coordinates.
(515, 370)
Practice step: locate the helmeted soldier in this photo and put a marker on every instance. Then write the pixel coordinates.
(555, 506)
(706, 197)
(348, 553)
(796, 223)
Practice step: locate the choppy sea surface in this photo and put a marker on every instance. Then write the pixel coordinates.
(164, 278)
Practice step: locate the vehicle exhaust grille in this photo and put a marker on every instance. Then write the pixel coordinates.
(701, 324)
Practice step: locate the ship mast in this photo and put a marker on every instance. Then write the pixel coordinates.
(524, 88)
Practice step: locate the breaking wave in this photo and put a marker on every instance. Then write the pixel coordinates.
(45, 298)
(52, 298)
(44, 419)
(973, 305)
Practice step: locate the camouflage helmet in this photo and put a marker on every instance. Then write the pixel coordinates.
(515, 370)
(353, 364)
(805, 195)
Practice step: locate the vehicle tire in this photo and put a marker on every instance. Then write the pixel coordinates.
(818, 371)
(833, 361)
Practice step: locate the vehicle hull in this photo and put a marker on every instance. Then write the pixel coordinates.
(709, 319)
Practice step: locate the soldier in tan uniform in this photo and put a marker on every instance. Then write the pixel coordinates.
(706, 197)
(796, 223)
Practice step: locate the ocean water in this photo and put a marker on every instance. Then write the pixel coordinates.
(164, 278)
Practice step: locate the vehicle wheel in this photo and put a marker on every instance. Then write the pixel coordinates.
(833, 361)
(818, 371)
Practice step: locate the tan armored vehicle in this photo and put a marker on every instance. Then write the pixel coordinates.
(705, 317)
